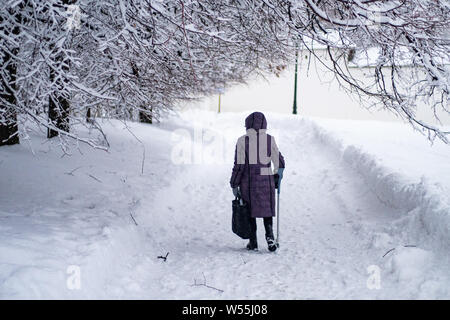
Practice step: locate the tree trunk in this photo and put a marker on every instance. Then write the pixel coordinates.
(58, 106)
(9, 134)
(89, 118)
(58, 114)
(145, 117)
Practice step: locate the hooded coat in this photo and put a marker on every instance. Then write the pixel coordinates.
(252, 172)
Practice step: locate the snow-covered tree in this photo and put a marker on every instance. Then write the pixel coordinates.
(68, 61)
(412, 60)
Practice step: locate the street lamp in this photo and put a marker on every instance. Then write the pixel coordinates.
(294, 109)
(220, 91)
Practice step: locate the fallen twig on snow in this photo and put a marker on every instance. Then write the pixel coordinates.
(205, 285)
(131, 215)
(164, 257)
(90, 175)
(142, 144)
(71, 172)
(388, 252)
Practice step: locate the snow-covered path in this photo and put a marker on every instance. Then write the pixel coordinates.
(333, 226)
(321, 255)
(326, 249)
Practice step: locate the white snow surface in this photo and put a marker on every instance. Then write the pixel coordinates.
(356, 197)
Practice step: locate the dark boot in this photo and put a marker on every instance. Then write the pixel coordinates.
(269, 235)
(271, 245)
(252, 244)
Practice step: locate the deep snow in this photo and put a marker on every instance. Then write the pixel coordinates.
(356, 197)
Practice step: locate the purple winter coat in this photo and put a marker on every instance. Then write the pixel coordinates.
(259, 187)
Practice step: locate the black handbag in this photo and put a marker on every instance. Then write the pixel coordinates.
(240, 222)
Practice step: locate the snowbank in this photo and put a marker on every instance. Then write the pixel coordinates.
(420, 197)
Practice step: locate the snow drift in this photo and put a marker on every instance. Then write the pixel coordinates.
(425, 209)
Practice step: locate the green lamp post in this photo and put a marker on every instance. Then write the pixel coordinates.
(294, 109)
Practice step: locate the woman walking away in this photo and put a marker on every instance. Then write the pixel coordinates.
(253, 178)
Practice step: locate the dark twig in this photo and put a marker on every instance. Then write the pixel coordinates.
(164, 257)
(388, 252)
(90, 175)
(131, 215)
(71, 172)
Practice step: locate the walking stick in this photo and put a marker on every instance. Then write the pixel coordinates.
(277, 243)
